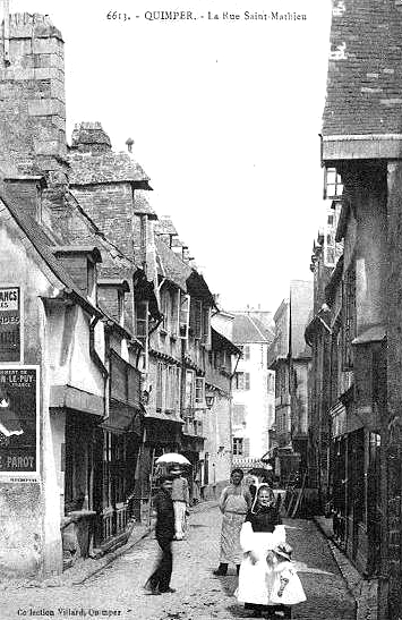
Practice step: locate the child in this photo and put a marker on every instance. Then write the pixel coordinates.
(261, 532)
(286, 588)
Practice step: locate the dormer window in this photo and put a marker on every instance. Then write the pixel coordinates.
(80, 262)
(111, 295)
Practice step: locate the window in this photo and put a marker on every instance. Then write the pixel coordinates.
(239, 415)
(237, 446)
(200, 391)
(184, 313)
(242, 381)
(189, 396)
(271, 382)
(217, 359)
(246, 352)
(141, 310)
(332, 183)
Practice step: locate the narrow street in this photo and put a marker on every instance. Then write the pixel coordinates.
(116, 591)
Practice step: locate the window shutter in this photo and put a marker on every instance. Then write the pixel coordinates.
(246, 381)
(159, 386)
(246, 446)
(206, 326)
(178, 389)
(196, 317)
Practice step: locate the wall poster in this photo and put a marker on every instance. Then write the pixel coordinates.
(10, 324)
(19, 420)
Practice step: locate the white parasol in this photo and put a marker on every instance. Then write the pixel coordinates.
(172, 457)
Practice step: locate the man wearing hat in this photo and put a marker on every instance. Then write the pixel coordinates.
(181, 499)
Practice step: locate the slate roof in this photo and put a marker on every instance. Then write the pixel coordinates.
(249, 329)
(301, 306)
(109, 167)
(219, 341)
(43, 245)
(171, 266)
(364, 84)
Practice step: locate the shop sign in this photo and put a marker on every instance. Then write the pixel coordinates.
(19, 419)
(10, 324)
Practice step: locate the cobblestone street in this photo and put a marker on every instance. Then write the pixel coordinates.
(116, 591)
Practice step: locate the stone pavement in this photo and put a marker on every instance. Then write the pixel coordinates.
(363, 590)
(116, 590)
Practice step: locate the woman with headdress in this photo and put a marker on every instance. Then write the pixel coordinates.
(261, 532)
(234, 503)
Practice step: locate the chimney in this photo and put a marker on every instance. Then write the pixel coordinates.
(130, 143)
(90, 138)
(33, 116)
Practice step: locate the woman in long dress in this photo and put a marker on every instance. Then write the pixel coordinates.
(261, 532)
(235, 501)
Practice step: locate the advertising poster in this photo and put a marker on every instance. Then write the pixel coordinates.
(10, 324)
(18, 420)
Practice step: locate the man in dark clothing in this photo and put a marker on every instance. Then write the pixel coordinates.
(159, 581)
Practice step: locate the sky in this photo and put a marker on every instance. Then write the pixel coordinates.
(225, 116)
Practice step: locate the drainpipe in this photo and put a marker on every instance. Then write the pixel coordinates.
(231, 409)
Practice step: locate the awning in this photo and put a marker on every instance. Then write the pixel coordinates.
(124, 418)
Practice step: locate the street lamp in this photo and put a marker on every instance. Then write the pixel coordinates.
(209, 399)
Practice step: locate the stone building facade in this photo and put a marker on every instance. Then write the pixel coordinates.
(253, 389)
(361, 139)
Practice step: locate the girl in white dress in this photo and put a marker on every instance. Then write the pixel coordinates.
(286, 589)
